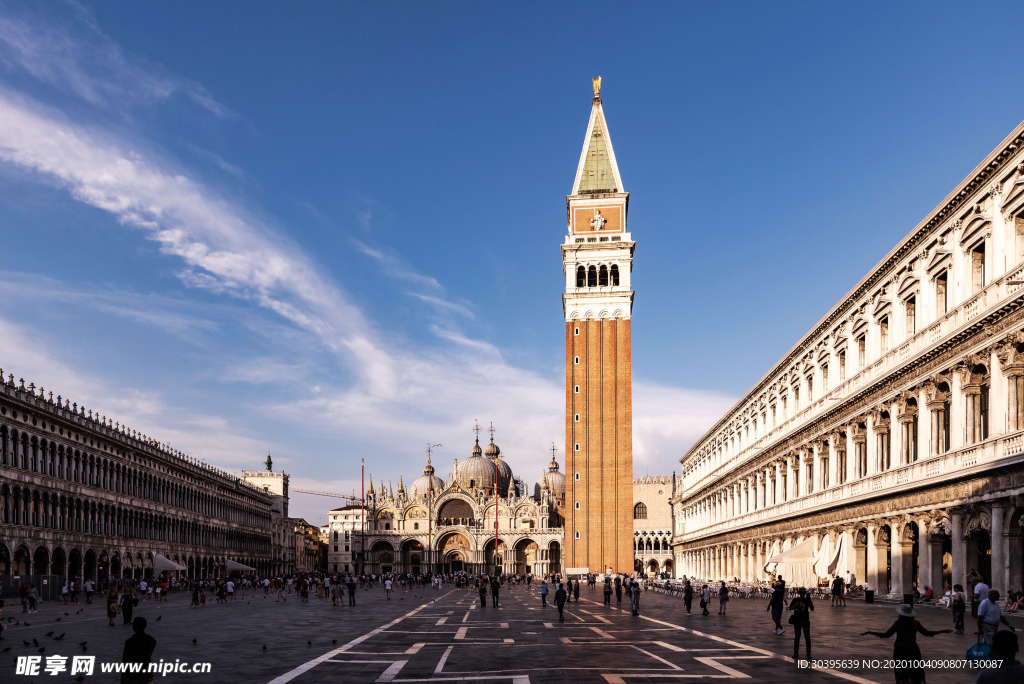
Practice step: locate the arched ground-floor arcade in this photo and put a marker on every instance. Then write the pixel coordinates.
(929, 538)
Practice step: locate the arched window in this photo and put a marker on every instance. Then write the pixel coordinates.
(592, 277)
(640, 511)
(602, 278)
(581, 277)
(615, 274)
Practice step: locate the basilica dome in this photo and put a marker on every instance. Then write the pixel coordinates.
(422, 484)
(493, 453)
(553, 480)
(476, 472)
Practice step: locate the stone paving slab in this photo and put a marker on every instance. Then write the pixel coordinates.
(428, 635)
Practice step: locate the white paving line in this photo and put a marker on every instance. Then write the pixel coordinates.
(441, 622)
(389, 674)
(306, 667)
(443, 660)
(754, 649)
(659, 659)
(601, 633)
(461, 634)
(714, 662)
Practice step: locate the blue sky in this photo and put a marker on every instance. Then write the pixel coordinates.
(331, 230)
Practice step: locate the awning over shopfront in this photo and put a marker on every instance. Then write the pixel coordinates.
(161, 563)
(234, 565)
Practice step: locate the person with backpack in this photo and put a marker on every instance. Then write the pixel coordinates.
(608, 591)
(801, 621)
(705, 599)
(688, 597)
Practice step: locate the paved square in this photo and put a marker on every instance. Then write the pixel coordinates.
(427, 635)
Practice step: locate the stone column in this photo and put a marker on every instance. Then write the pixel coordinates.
(997, 398)
(926, 559)
(959, 562)
(1000, 557)
(833, 459)
(758, 561)
(872, 560)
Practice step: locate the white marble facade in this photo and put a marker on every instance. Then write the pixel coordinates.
(892, 434)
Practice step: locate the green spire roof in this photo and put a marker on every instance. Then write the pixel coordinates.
(597, 170)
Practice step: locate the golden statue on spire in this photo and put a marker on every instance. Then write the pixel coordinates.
(597, 86)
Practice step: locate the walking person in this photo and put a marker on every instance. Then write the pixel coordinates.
(618, 591)
(576, 591)
(801, 621)
(634, 597)
(495, 588)
(483, 594)
(112, 605)
(608, 591)
(688, 597)
(958, 604)
(723, 598)
(543, 593)
(989, 617)
(837, 592)
(775, 604)
(387, 588)
(560, 598)
(33, 597)
(127, 604)
(905, 652)
(705, 599)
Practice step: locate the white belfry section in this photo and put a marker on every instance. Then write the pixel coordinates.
(597, 255)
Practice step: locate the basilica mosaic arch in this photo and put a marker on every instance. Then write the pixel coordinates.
(889, 442)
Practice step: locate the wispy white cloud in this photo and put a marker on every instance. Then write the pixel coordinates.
(224, 250)
(167, 314)
(444, 304)
(74, 56)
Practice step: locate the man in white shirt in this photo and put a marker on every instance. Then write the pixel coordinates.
(978, 595)
(387, 588)
(989, 617)
(231, 590)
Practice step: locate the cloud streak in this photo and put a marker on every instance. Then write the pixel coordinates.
(58, 55)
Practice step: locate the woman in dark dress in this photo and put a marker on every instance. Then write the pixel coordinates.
(127, 604)
(906, 628)
(111, 605)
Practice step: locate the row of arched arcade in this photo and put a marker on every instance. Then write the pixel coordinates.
(104, 565)
(459, 552)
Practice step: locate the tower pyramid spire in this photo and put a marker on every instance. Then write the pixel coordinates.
(597, 170)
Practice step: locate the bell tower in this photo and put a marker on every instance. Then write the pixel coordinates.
(597, 259)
